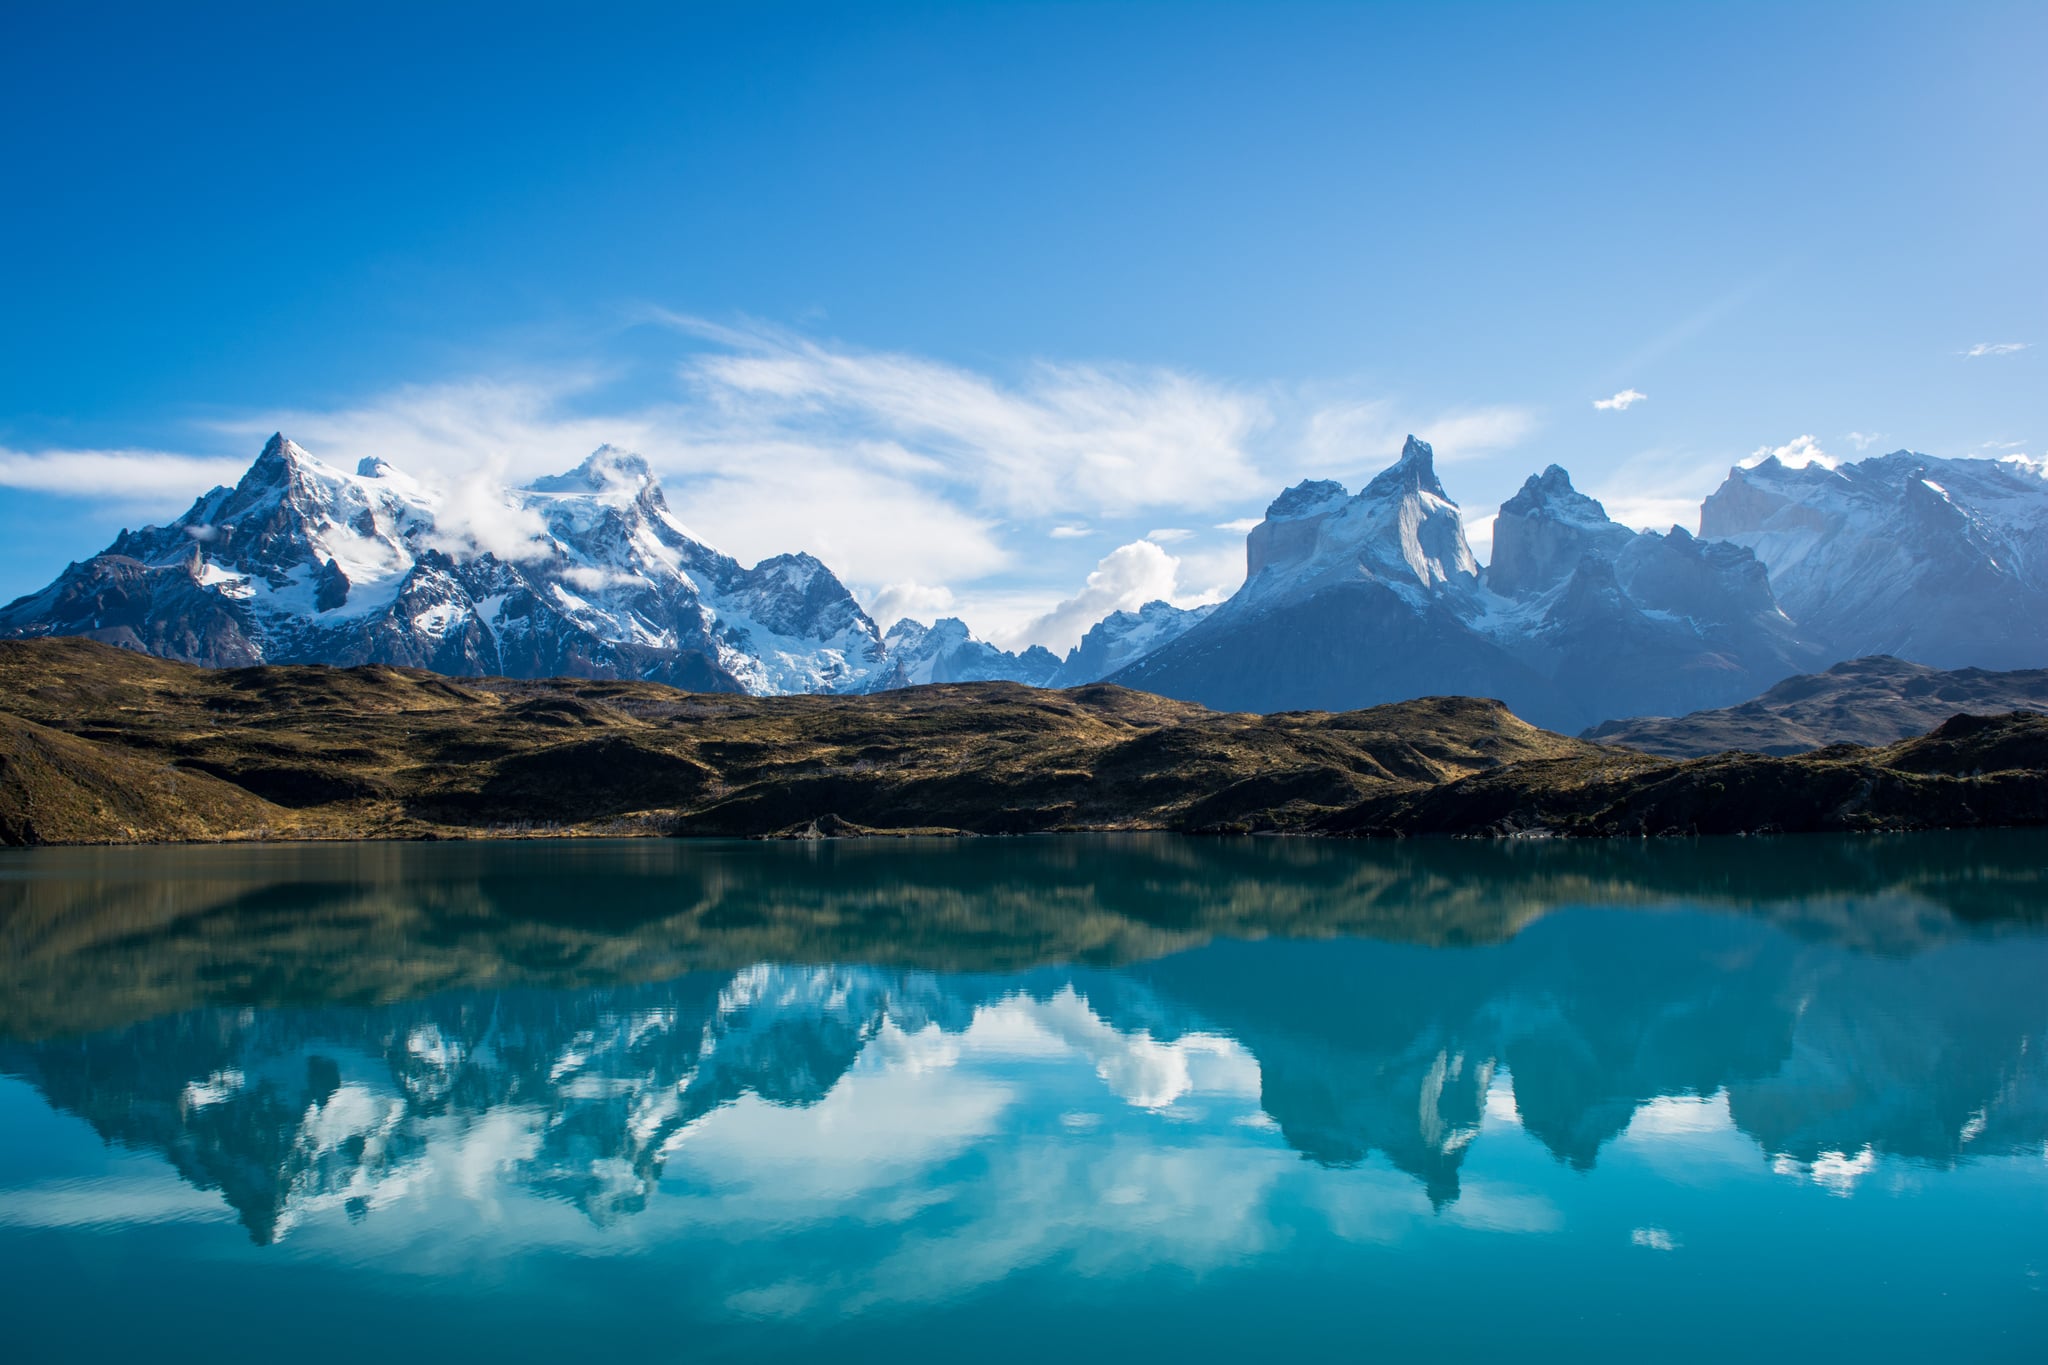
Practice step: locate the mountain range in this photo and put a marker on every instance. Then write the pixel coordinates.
(1349, 600)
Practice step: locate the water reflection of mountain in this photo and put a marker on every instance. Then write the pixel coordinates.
(1361, 1046)
(1820, 1049)
(93, 939)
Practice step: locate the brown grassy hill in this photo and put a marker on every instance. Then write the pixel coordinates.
(1971, 771)
(105, 745)
(99, 745)
(1878, 700)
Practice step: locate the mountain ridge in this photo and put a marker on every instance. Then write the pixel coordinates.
(1872, 701)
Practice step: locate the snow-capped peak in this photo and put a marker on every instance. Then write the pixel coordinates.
(584, 573)
(1414, 472)
(1310, 497)
(1544, 531)
(619, 475)
(1401, 528)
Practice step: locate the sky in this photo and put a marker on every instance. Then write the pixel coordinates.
(1014, 312)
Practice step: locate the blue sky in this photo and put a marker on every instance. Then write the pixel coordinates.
(979, 301)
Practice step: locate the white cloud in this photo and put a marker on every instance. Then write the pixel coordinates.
(1621, 402)
(1242, 526)
(1127, 578)
(1066, 531)
(1796, 453)
(1984, 348)
(129, 475)
(475, 515)
(1864, 440)
(1659, 488)
(1168, 535)
(919, 601)
(1108, 439)
(1655, 1239)
(1479, 535)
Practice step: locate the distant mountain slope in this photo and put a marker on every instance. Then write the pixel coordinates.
(1874, 701)
(586, 574)
(1943, 562)
(948, 652)
(1357, 600)
(1123, 637)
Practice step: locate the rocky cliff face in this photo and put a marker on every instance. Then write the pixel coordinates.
(585, 574)
(1943, 562)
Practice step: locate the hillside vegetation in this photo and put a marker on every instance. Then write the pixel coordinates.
(102, 745)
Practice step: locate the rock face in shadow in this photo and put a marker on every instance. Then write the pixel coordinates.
(1873, 701)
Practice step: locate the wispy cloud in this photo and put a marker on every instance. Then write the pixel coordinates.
(1242, 526)
(123, 475)
(1985, 348)
(1109, 440)
(919, 601)
(1065, 531)
(1864, 440)
(1621, 402)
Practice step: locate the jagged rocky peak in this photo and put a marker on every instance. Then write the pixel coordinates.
(1543, 532)
(1401, 528)
(1414, 472)
(608, 469)
(1308, 498)
(279, 454)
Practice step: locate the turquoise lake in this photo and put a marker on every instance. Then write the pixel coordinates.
(1063, 1098)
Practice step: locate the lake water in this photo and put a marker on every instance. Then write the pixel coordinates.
(1060, 1099)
